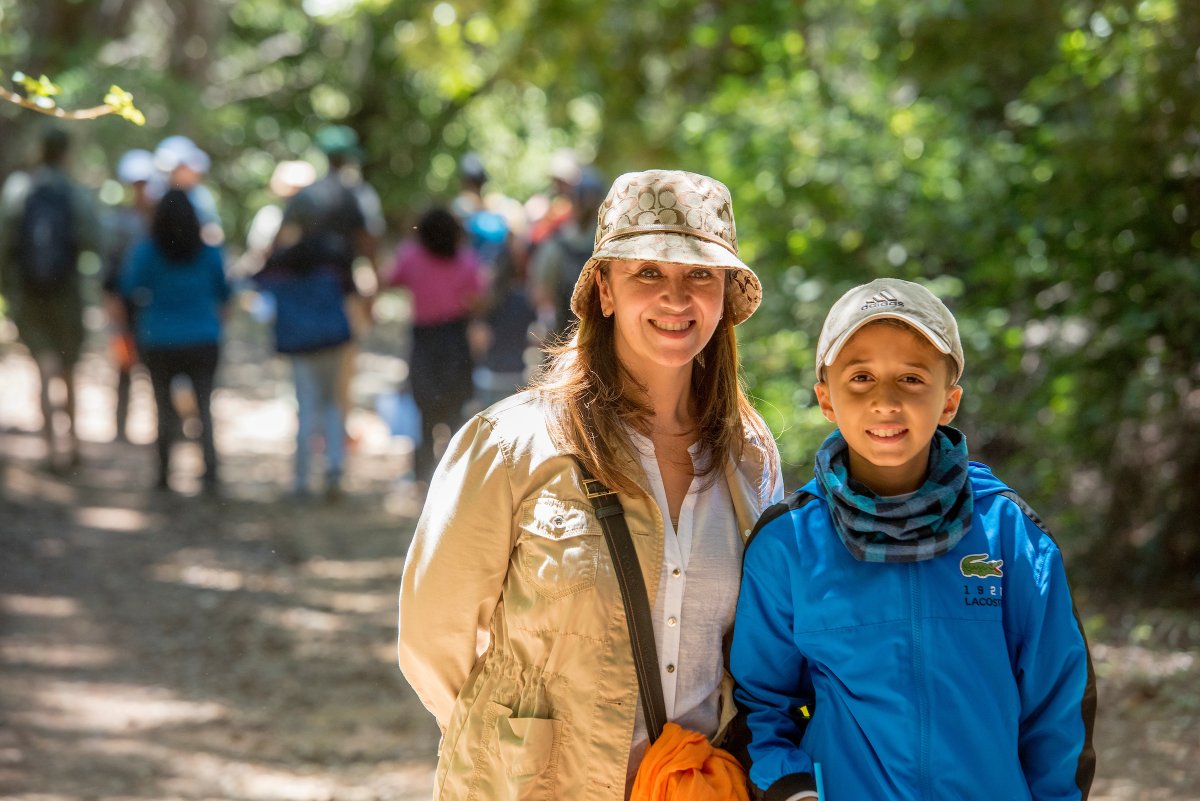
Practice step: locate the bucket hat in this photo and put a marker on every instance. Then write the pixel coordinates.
(671, 217)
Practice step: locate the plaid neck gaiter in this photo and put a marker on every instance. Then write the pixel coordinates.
(911, 528)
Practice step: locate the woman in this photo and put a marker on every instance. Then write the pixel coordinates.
(512, 629)
(177, 283)
(446, 280)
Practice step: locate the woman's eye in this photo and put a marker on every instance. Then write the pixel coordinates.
(702, 274)
(648, 272)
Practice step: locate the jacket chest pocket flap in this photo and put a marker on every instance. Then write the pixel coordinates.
(559, 546)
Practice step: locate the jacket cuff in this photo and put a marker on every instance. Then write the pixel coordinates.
(789, 785)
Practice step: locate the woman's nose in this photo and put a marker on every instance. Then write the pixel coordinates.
(675, 292)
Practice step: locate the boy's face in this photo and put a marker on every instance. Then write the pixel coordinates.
(887, 391)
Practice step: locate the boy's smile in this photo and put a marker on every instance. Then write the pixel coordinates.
(887, 391)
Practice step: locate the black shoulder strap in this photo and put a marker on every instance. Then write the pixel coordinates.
(797, 500)
(637, 603)
(1027, 510)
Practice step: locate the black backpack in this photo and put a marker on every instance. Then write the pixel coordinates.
(47, 251)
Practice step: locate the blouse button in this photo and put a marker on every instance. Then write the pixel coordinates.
(671, 622)
(676, 572)
(670, 668)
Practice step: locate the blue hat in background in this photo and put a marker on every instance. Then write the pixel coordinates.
(338, 141)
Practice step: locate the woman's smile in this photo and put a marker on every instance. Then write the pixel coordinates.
(672, 328)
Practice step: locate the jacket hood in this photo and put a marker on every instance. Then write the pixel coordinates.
(983, 481)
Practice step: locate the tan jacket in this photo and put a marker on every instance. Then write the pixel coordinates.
(512, 629)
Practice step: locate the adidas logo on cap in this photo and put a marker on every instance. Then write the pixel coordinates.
(882, 300)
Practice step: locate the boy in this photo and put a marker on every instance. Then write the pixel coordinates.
(905, 629)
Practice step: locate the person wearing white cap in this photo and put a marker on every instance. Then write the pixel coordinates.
(183, 165)
(905, 628)
(512, 629)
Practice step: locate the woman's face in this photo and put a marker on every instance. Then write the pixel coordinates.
(664, 313)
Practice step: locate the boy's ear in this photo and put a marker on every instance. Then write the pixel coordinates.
(953, 399)
(822, 390)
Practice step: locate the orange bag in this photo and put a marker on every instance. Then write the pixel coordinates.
(682, 764)
(123, 350)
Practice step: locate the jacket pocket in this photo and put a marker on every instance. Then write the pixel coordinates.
(528, 751)
(559, 547)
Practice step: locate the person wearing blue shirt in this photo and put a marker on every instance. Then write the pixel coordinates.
(905, 629)
(178, 286)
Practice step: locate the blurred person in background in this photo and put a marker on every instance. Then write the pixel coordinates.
(288, 178)
(556, 265)
(500, 338)
(124, 226)
(177, 284)
(445, 279)
(46, 221)
(309, 283)
(548, 211)
(341, 204)
(183, 165)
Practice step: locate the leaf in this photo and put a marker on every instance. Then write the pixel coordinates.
(40, 87)
(121, 102)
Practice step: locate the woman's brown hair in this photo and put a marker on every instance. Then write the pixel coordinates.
(589, 409)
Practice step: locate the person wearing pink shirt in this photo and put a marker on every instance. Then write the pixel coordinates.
(447, 284)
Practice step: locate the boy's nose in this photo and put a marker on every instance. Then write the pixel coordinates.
(886, 398)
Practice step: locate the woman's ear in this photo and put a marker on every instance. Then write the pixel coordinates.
(605, 290)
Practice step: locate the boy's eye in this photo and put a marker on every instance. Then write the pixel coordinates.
(859, 378)
(912, 379)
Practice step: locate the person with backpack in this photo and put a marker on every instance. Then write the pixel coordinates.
(905, 628)
(340, 205)
(309, 283)
(48, 220)
(178, 286)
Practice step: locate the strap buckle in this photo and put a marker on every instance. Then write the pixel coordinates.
(593, 488)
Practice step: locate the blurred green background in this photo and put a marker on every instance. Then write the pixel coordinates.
(1037, 162)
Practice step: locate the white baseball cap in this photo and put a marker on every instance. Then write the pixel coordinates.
(135, 166)
(889, 298)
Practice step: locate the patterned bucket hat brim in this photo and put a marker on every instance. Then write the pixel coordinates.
(671, 217)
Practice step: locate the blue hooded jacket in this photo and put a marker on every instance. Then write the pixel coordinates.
(962, 676)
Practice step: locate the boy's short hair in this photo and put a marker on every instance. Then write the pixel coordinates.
(890, 299)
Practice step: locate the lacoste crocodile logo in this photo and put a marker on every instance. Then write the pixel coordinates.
(976, 565)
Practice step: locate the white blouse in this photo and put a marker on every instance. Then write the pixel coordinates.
(696, 599)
